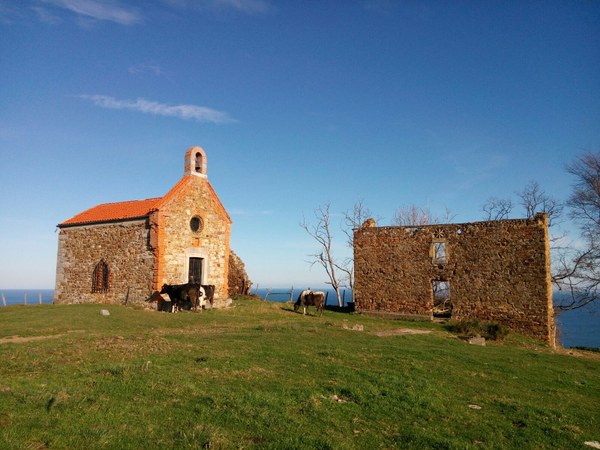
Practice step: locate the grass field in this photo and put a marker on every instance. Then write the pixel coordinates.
(259, 375)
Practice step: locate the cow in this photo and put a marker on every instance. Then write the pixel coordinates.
(161, 303)
(201, 298)
(209, 292)
(184, 296)
(165, 306)
(310, 298)
(303, 294)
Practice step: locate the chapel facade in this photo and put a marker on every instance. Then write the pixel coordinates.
(122, 252)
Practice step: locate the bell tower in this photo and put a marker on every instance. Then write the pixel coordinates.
(195, 162)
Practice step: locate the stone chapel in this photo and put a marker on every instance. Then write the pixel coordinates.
(122, 252)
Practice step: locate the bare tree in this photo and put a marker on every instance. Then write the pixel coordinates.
(352, 220)
(579, 271)
(535, 200)
(320, 231)
(585, 199)
(497, 208)
(414, 216)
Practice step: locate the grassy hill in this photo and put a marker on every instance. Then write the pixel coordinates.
(259, 375)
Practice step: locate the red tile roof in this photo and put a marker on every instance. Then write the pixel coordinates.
(109, 212)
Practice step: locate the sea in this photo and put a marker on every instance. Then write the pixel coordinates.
(576, 328)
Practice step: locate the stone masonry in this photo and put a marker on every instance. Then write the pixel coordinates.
(123, 252)
(173, 242)
(122, 245)
(238, 282)
(495, 271)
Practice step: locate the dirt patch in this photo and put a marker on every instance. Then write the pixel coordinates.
(19, 339)
(401, 331)
(579, 353)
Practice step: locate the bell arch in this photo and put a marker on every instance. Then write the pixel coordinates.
(195, 162)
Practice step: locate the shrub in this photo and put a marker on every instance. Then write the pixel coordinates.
(492, 331)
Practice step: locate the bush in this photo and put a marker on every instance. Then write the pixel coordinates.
(492, 331)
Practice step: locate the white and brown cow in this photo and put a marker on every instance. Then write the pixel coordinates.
(310, 298)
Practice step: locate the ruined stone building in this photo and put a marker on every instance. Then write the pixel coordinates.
(497, 271)
(122, 252)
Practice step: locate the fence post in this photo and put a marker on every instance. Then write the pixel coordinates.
(292, 294)
(25, 298)
(3, 299)
(267, 295)
(40, 298)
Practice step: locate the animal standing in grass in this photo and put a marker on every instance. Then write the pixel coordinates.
(161, 303)
(310, 298)
(209, 293)
(185, 296)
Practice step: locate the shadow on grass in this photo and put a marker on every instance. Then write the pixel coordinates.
(289, 307)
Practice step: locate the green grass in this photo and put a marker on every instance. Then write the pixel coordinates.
(260, 376)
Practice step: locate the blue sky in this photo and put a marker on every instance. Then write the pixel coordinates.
(434, 103)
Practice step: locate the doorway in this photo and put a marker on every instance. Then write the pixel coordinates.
(195, 270)
(442, 302)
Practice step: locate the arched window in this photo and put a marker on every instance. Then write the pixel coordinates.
(100, 277)
(198, 162)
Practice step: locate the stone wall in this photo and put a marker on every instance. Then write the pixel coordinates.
(497, 270)
(174, 242)
(238, 282)
(123, 246)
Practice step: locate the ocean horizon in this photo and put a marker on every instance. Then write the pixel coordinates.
(575, 328)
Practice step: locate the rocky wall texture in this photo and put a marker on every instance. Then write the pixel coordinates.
(497, 271)
(123, 246)
(177, 242)
(238, 281)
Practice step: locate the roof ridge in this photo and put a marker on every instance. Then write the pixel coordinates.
(108, 212)
(129, 201)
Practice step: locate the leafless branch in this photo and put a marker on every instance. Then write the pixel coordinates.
(320, 231)
(497, 208)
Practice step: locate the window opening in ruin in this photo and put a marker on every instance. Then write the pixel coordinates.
(439, 253)
(198, 162)
(195, 270)
(100, 277)
(442, 303)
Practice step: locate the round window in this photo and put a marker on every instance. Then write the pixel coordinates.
(196, 224)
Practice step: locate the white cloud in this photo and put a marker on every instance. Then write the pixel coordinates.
(243, 6)
(100, 10)
(186, 112)
(142, 69)
(246, 6)
(45, 16)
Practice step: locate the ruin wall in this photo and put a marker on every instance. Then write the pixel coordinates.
(238, 281)
(497, 271)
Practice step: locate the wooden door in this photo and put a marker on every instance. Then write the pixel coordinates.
(195, 272)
